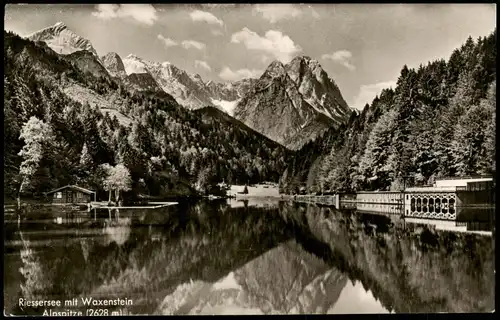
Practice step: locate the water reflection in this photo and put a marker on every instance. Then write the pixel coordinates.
(116, 228)
(295, 282)
(268, 257)
(355, 299)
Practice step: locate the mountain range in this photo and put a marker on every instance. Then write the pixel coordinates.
(290, 104)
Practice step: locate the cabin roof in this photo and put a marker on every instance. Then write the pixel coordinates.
(83, 190)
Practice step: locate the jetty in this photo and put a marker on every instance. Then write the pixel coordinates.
(150, 205)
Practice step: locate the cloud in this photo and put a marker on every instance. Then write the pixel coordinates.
(188, 44)
(143, 13)
(368, 92)
(265, 58)
(167, 41)
(202, 64)
(274, 43)
(277, 12)
(216, 32)
(221, 5)
(342, 57)
(230, 75)
(203, 16)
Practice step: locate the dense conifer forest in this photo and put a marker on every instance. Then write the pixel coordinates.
(438, 121)
(50, 140)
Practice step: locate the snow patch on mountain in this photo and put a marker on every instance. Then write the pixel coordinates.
(318, 107)
(226, 106)
(134, 65)
(228, 282)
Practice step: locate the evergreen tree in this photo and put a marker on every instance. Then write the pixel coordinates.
(373, 165)
(468, 146)
(488, 162)
(85, 158)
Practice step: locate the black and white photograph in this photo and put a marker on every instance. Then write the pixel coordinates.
(249, 159)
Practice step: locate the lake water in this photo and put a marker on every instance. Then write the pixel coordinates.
(245, 258)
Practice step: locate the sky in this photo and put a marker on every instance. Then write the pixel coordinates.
(362, 47)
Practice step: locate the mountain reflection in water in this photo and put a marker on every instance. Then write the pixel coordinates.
(246, 258)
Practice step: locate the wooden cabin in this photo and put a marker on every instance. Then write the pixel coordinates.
(71, 194)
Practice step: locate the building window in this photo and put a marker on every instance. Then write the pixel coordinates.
(58, 195)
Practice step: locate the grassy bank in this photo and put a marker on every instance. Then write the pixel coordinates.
(258, 190)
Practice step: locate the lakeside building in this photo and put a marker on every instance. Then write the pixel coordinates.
(447, 199)
(447, 196)
(459, 199)
(71, 194)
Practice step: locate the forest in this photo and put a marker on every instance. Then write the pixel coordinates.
(438, 121)
(51, 140)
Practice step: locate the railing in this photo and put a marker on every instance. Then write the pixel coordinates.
(387, 197)
(465, 177)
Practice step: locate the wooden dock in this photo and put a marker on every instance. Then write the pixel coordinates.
(153, 205)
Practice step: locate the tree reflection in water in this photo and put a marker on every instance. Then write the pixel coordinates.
(117, 229)
(214, 258)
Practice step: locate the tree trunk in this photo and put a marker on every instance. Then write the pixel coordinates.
(19, 194)
(109, 195)
(117, 195)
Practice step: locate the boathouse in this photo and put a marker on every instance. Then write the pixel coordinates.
(71, 194)
(447, 196)
(448, 199)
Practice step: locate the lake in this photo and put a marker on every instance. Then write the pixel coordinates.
(253, 257)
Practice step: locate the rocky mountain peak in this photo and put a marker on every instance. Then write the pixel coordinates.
(301, 58)
(113, 63)
(293, 103)
(55, 29)
(304, 64)
(275, 69)
(171, 70)
(62, 40)
(59, 26)
(197, 78)
(112, 55)
(133, 56)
